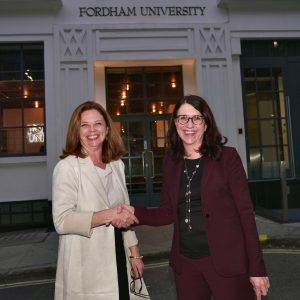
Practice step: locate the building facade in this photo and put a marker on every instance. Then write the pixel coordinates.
(137, 58)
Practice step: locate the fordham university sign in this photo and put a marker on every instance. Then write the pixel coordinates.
(144, 11)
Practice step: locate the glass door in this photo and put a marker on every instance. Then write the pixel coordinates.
(266, 120)
(271, 93)
(145, 140)
(140, 101)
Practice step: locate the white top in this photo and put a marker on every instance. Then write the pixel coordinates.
(113, 191)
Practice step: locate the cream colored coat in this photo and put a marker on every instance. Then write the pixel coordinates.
(86, 267)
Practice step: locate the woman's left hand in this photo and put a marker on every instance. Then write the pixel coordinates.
(137, 266)
(260, 286)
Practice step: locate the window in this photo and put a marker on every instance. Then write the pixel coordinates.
(143, 90)
(266, 121)
(22, 99)
(264, 78)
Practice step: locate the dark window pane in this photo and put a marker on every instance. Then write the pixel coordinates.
(136, 106)
(153, 89)
(135, 90)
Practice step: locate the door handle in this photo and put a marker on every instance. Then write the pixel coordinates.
(152, 162)
(145, 165)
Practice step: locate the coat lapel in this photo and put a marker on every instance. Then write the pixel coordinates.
(206, 172)
(89, 170)
(118, 174)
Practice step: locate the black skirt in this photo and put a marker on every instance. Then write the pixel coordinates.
(121, 266)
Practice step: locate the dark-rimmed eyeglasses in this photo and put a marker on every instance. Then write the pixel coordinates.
(184, 119)
(137, 290)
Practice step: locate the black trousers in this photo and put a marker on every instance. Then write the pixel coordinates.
(121, 266)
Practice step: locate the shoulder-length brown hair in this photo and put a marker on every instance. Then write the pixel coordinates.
(113, 147)
(212, 139)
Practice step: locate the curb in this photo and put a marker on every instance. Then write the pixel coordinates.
(29, 274)
(49, 271)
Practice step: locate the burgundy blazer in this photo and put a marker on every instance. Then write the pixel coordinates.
(228, 214)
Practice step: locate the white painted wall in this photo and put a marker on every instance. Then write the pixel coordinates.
(77, 49)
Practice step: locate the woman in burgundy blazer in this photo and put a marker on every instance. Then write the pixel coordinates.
(215, 248)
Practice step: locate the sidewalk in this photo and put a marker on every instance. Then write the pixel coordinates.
(35, 251)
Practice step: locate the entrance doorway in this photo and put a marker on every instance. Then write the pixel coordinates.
(271, 100)
(140, 101)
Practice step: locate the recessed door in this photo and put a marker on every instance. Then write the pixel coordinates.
(145, 140)
(140, 101)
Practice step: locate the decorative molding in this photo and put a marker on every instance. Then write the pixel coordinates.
(73, 44)
(236, 46)
(137, 41)
(212, 42)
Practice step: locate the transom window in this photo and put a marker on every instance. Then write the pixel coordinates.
(143, 90)
(22, 99)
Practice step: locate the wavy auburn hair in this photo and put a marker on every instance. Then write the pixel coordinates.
(113, 147)
(212, 139)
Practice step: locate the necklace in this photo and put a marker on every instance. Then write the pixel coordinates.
(189, 178)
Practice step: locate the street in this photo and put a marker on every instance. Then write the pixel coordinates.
(283, 267)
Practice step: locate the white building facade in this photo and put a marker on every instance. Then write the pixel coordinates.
(137, 58)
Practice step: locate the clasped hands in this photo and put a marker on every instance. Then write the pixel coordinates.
(123, 216)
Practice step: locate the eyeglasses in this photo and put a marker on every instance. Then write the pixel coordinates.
(184, 119)
(134, 286)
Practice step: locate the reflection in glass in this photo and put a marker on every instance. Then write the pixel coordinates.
(253, 133)
(281, 105)
(158, 163)
(255, 163)
(14, 140)
(141, 115)
(143, 88)
(136, 168)
(159, 130)
(266, 105)
(271, 162)
(153, 89)
(135, 106)
(22, 97)
(136, 129)
(266, 121)
(11, 114)
(34, 139)
(268, 132)
(136, 147)
(11, 89)
(251, 105)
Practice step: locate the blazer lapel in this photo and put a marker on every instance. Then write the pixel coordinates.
(207, 170)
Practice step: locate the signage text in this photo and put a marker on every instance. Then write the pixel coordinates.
(144, 11)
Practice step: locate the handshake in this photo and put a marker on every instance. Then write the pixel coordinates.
(123, 216)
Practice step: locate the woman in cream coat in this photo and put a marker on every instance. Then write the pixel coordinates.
(95, 258)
